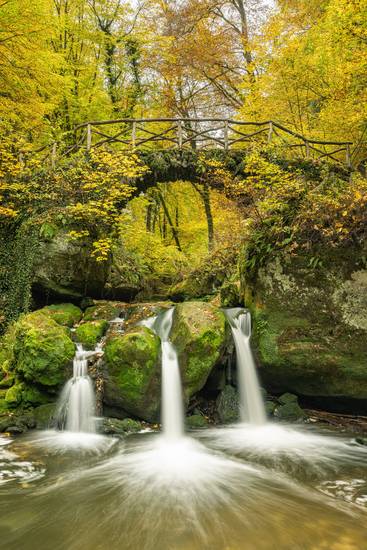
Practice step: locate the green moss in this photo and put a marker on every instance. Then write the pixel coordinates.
(13, 395)
(89, 334)
(228, 405)
(199, 333)
(304, 336)
(196, 421)
(41, 350)
(64, 314)
(132, 360)
(103, 310)
(43, 415)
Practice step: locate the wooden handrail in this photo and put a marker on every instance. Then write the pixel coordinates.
(193, 133)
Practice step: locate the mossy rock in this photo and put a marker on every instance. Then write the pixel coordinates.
(228, 405)
(230, 295)
(23, 395)
(103, 310)
(39, 350)
(289, 409)
(196, 421)
(310, 324)
(199, 333)
(133, 364)
(44, 415)
(64, 267)
(67, 315)
(117, 426)
(89, 334)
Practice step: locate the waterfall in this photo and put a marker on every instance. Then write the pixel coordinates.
(76, 410)
(172, 403)
(252, 408)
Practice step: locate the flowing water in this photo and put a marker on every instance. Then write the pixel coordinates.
(172, 413)
(251, 486)
(252, 408)
(145, 493)
(76, 409)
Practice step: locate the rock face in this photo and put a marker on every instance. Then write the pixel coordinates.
(88, 334)
(200, 335)
(35, 354)
(228, 405)
(65, 268)
(133, 372)
(310, 324)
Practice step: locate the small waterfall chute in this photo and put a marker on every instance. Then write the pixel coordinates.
(172, 403)
(252, 407)
(76, 410)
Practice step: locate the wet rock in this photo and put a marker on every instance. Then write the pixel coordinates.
(110, 426)
(230, 295)
(44, 416)
(64, 267)
(90, 333)
(133, 372)
(289, 409)
(200, 335)
(37, 350)
(64, 314)
(228, 405)
(310, 327)
(196, 421)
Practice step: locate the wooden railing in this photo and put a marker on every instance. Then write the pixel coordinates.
(199, 134)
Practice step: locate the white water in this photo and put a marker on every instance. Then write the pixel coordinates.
(252, 408)
(172, 403)
(76, 411)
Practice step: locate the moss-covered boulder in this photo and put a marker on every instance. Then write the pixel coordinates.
(37, 351)
(111, 426)
(64, 314)
(199, 333)
(103, 309)
(196, 421)
(133, 371)
(44, 416)
(288, 408)
(228, 405)
(310, 322)
(89, 334)
(64, 267)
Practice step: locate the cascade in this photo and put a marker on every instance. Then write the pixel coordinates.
(252, 407)
(172, 403)
(76, 410)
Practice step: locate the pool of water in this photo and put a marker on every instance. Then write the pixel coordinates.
(233, 488)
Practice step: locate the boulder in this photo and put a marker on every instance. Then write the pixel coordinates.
(196, 421)
(288, 408)
(67, 315)
(64, 267)
(111, 426)
(44, 416)
(310, 323)
(200, 335)
(228, 405)
(35, 355)
(90, 333)
(134, 373)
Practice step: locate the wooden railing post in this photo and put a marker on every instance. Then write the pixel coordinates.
(53, 155)
(89, 137)
(307, 149)
(226, 141)
(348, 156)
(133, 135)
(179, 134)
(270, 133)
